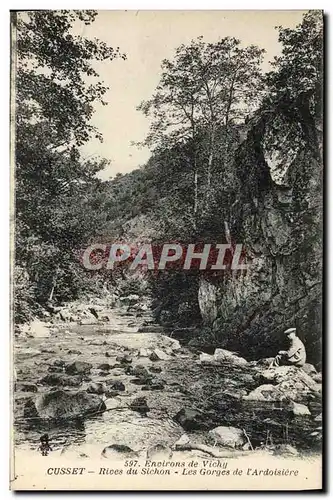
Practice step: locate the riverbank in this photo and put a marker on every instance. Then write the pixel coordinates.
(151, 392)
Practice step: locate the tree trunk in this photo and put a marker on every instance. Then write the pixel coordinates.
(51, 294)
(195, 203)
(54, 284)
(210, 157)
(227, 232)
(195, 176)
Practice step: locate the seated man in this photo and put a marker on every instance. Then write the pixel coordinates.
(295, 356)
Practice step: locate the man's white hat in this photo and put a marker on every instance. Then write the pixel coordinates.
(290, 330)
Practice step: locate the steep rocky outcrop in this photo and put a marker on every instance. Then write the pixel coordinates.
(277, 215)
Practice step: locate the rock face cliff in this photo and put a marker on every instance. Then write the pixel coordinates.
(277, 215)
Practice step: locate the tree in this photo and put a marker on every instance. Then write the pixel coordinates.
(205, 88)
(297, 80)
(56, 89)
(299, 67)
(54, 66)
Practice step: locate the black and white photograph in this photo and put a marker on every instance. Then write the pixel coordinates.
(166, 249)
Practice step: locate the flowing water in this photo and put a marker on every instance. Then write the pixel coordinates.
(186, 384)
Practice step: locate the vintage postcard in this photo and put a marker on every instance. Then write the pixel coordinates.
(167, 199)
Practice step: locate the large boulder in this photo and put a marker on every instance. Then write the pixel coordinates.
(228, 436)
(30, 410)
(282, 373)
(266, 392)
(59, 363)
(291, 381)
(78, 367)
(39, 329)
(299, 410)
(65, 315)
(205, 358)
(144, 353)
(116, 385)
(284, 383)
(61, 379)
(140, 405)
(124, 359)
(96, 388)
(64, 405)
(140, 433)
(55, 369)
(190, 419)
(153, 385)
(105, 367)
(155, 369)
(116, 451)
(299, 391)
(229, 357)
(138, 371)
(158, 355)
(222, 356)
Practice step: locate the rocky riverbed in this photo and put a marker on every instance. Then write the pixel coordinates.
(116, 380)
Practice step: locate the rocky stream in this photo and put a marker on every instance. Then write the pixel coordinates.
(115, 379)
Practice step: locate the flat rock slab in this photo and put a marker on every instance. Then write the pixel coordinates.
(129, 428)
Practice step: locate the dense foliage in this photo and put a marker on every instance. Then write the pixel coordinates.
(209, 97)
(200, 180)
(57, 203)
